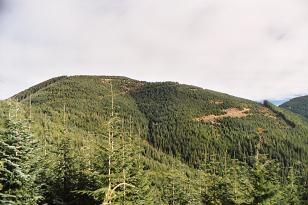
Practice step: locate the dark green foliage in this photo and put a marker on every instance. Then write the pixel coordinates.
(182, 160)
(234, 187)
(292, 191)
(166, 113)
(28, 92)
(64, 170)
(297, 105)
(118, 166)
(171, 110)
(65, 176)
(266, 183)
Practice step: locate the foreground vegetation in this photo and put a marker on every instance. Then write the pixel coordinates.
(110, 140)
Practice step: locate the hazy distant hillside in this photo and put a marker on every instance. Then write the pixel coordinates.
(298, 105)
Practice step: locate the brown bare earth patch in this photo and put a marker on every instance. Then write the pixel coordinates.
(194, 89)
(125, 87)
(106, 80)
(267, 112)
(260, 130)
(217, 102)
(131, 87)
(231, 112)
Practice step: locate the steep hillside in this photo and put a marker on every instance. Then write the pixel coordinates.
(181, 120)
(195, 142)
(51, 134)
(297, 105)
(193, 123)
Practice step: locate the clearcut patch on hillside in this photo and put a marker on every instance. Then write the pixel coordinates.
(230, 112)
(267, 112)
(217, 102)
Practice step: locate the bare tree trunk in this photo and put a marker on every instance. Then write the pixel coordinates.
(173, 188)
(30, 112)
(10, 108)
(45, 137)
(110, 136)
(225, 162)
(123, 163)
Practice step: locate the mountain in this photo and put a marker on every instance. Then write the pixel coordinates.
(182, 129)
(297, 105)
(181, 120)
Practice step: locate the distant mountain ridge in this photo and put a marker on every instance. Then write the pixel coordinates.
(297, 105)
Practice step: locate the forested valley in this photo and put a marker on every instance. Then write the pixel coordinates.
(87, 140)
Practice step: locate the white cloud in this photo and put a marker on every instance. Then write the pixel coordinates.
(255, 49)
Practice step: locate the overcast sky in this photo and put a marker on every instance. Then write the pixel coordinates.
(256, 49)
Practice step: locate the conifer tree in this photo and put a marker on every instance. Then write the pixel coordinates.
(292, 190)
(265, 177)
(235, 186)
(118, 167)
(140, 192)
(176, 189)
(68, 169)
(17, 176)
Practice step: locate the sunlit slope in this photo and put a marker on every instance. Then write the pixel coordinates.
(188, 122)
(86, 100)
(48, 131)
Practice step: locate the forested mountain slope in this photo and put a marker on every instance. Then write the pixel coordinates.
(178, 119)
(192, 140)
(297, 105)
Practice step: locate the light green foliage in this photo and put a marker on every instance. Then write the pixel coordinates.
(119, 169)
(64, 169)
(293, 190)
(17, 175)
(1, 169)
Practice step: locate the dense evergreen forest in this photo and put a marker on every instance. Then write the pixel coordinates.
(87, 140)
(298, 105)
